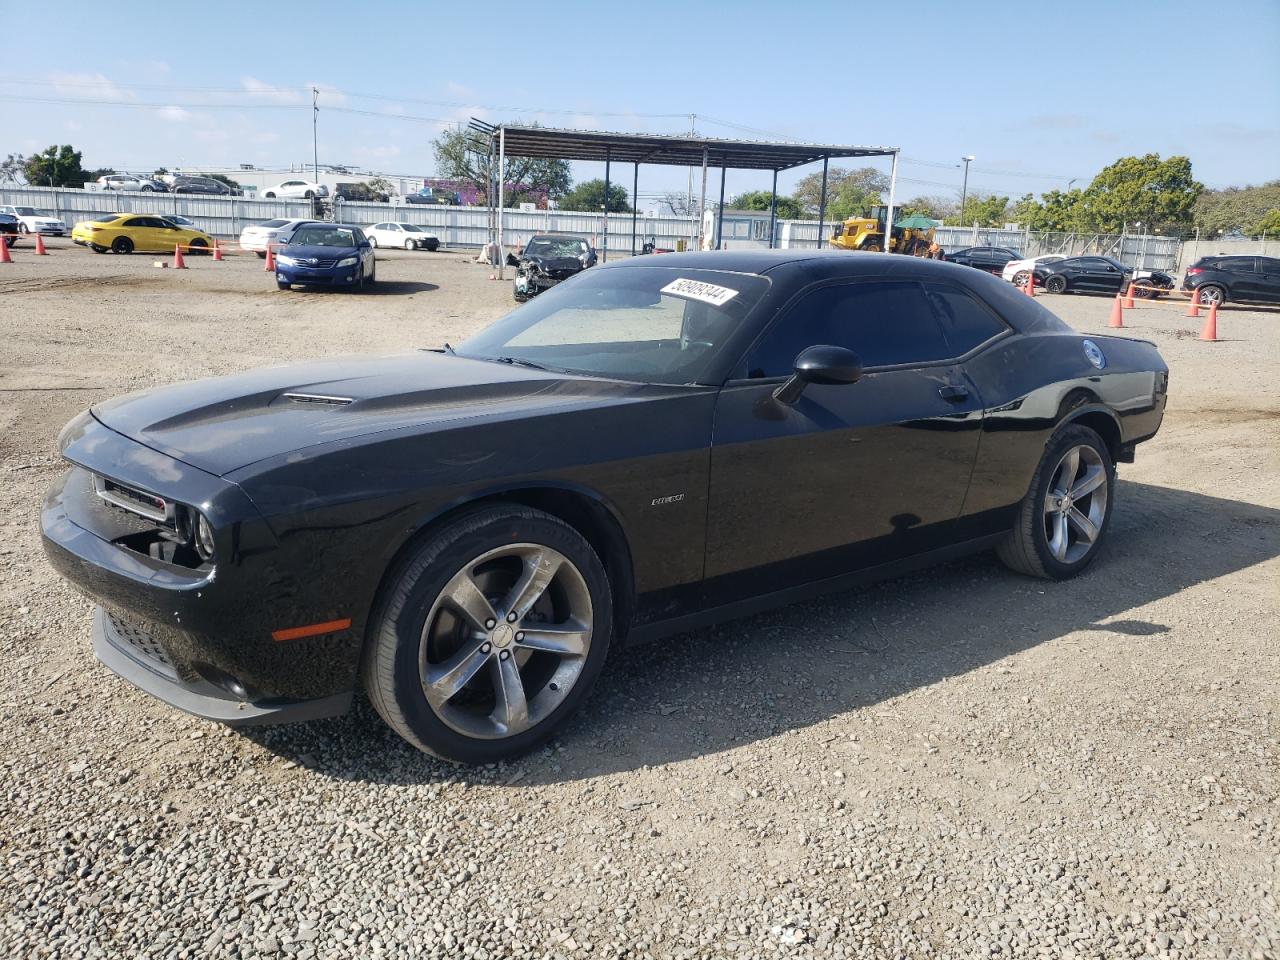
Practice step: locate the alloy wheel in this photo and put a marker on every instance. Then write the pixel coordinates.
(506, 641)
(1075, 505)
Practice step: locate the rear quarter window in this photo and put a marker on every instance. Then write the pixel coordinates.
(966, 322)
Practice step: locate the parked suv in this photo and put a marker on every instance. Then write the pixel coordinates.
(1223, 279)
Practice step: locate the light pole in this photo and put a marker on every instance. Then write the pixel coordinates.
(315, 149)
(964, 190)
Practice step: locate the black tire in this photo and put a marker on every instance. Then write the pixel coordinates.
(269, 195)
(1026, 549)
(22, 228)
(309, 195)
(1056, 283)
(198, 247)
(146, 188)
(1145, 290)
(122, 245)
(391, 666)
(282, 285)
(1211, 293)
(1020, 279)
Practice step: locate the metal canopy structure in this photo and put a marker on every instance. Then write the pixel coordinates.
(675, 151)
(679, 151)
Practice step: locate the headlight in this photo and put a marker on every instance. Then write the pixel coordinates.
(348, 262)
(204, 538)
(287, 261)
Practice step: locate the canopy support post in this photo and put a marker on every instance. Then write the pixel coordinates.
(502, 182)
(702, 204)
(604, 236)
(822, 202)
(720, 213)
(888, 214)
(635, 205)
(773, 209)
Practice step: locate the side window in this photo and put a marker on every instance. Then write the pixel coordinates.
(884, 322)
(360, 237)
(966, 323)
(137, 222)
(1238, 264)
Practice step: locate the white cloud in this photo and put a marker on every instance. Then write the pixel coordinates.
(87, 85)
(269, 93)
(174, 114)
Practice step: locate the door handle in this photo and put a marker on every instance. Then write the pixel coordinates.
(953, 393)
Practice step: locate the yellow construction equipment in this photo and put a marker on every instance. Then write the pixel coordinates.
(867, 233)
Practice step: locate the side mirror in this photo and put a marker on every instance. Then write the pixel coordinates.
(512, 261)
(822, 364)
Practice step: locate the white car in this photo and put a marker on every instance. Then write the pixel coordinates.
(31, 220)
(127, 181)
(400, 234)
(1015, 271)
(256, 236)
(296, 190)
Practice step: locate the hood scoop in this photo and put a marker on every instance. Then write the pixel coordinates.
(317, 399)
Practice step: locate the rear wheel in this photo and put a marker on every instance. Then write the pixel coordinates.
(122, 245)
(1064, 516)
(872, 247)
(1211, 293)
(490, 636)
(1056, 284)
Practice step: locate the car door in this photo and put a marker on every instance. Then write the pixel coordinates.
(1268, 280)
(1098, 275)
(848, 476)
(1243, 279)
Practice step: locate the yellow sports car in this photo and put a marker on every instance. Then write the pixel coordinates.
(143, 232)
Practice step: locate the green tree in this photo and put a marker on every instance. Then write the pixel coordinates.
(1268, 223)
(55, 166)
(1056, 210)
(589, 195)
(933, 207)
(1161, 194)
(1235, 208)
(986, 210)
(865, 185)
(853, 198)
(457, 158)
(788, 207)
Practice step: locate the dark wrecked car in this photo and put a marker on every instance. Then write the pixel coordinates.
(658, 445)
(546, 261)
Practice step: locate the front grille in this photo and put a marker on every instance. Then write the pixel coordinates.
(140, 645)
(318, 265)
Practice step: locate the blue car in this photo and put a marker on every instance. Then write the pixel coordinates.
(329, 254)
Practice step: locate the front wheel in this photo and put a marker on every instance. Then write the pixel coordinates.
(872, 247)
(1064, 516)
(410, 245)
(490, 635)
(1056, 284)
(22, 228)
(1020, 278)
(198, 246)
(282, 285)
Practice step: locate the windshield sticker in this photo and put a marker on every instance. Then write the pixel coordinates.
(697, 290)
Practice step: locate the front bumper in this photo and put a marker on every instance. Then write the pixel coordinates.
(200, 638)
(134, 655)
(327, 276)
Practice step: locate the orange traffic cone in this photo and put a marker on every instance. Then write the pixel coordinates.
(1128, 297)
(1117, 313)
(217, 252)
(4, 250)
(1030, 288)
(1193, 308)
(1210, 329)
(269, 264)
(178, 262)
(40, 250)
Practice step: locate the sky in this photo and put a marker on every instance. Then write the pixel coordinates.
(1040, 94)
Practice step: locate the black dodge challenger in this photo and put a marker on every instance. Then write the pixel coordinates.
(646, 448)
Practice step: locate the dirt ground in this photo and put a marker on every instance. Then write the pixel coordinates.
(960, 763)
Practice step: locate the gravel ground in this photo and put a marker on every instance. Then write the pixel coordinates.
(962, 763)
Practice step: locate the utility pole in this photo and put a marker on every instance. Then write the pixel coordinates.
(315, 148)
(964, 190)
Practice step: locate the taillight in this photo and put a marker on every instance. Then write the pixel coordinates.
(1194, 270)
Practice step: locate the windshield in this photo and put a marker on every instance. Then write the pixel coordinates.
(323, 237)
(555, 247)
(652, 324)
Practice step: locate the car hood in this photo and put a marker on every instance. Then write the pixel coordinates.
(223, 424)
(307, 251)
